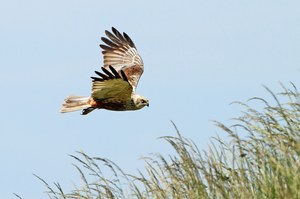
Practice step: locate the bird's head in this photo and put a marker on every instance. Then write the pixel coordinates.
(140, 101)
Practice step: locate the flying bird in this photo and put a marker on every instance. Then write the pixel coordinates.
(114, 87)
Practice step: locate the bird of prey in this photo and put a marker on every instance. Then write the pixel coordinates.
(114, 87)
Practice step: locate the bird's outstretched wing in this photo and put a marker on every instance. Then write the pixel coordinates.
(120, 52)
(111, 85)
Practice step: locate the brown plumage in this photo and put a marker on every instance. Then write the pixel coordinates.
(114, 88)
(121, 53)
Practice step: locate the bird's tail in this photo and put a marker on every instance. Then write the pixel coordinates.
(74, 103)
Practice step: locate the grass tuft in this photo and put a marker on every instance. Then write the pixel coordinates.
(259, 160)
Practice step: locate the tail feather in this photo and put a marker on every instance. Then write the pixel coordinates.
(75, 103)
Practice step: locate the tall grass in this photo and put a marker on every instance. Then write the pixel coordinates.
(259, 160)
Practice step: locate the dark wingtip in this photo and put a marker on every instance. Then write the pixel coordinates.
(113, 70)
(124, 76)
(96, 79)
(103, 77)
(98, 73)
(107, 72)
(118, 34)
(109, 42)
(114, 30)
(105, 47)
(128, 39)
(103, 38)
(106, 32)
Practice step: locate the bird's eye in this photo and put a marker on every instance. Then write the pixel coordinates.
(143, 101)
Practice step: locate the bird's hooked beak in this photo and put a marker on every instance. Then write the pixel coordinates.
(147, 104)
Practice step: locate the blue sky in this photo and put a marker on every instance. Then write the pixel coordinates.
(199, 57)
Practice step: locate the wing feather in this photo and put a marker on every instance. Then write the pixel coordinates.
(124, 76)
(111, 36)
(116, 74)
(118, 34)
(120, 52)
(105, 77)
(105, 47)
(128, 39)
(110, 75)
(109, 42)
(111, 85)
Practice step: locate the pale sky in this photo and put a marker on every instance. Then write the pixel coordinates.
(199, 57)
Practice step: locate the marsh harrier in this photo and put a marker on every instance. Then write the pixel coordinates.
(114, 87)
